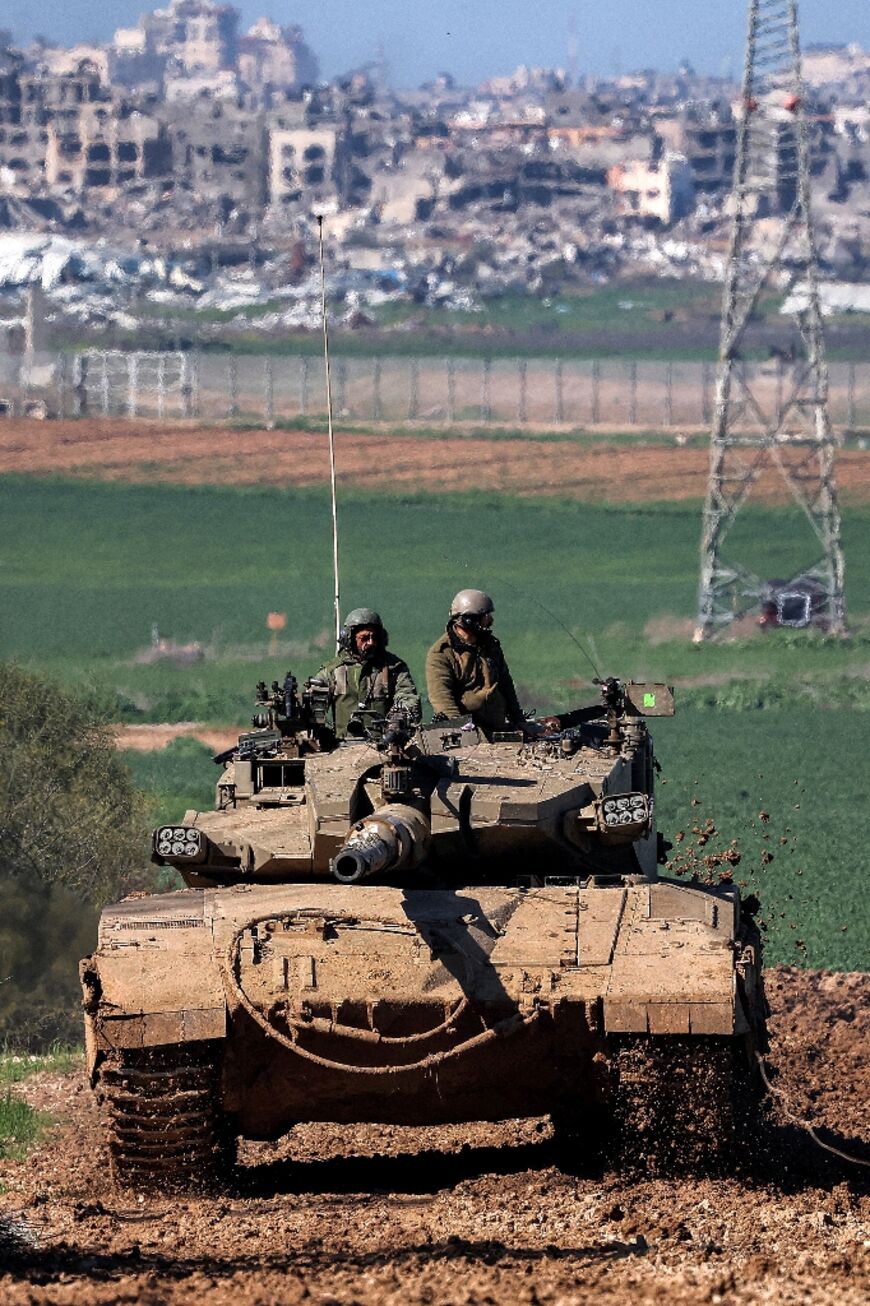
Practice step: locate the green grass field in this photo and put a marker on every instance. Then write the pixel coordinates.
(765, 723)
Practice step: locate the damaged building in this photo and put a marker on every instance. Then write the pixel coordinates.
(195, 47)
(189, 132)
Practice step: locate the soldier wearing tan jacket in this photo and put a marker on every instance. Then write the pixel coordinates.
(466, 671)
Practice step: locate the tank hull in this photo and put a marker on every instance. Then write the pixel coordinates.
(414, 1006)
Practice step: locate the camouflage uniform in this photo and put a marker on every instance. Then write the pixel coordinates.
(472, 678)
(378, 685)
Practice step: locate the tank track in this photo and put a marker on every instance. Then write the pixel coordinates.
(166, 1128)
(681, 1105)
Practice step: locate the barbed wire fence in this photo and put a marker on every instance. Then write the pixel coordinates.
(517, 392)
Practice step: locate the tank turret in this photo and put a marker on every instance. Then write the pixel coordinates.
(292, 804)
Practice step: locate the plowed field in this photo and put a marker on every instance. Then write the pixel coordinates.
(192, 455)
(472, 1214)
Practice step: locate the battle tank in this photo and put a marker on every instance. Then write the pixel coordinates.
(420, 926)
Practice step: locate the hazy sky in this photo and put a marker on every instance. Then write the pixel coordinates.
(475, 39)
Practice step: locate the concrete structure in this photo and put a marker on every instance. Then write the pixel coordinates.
(220, 151)
(110, 145)
(35, 105)
(663, 190)
(275, 59)
(302, 164)
(709, 144)
(191, 39)
(836, 65)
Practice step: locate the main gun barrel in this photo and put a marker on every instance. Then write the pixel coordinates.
(392, 837)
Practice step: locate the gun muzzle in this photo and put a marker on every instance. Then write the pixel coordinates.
(392, 837)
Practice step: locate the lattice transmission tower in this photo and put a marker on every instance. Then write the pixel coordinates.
(772, 417)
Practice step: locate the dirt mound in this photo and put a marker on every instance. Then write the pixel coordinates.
(468, 1214)
(189, 454)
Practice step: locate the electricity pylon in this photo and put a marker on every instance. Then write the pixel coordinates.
(763, 421)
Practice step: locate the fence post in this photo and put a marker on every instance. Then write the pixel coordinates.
(669, 395)
(413, 389)
(303, 387)
(186, 385)
(269, 392)
(558, 377)
(80, 385)
(340, 386)
(61, 385)
(632, 394)
(161, 385)
(850, 397)
(596, 392)
(779, 390)
(104, 383)
(485, 408)
(451, 389)
(233, 386)
(132, 384)
(377, 406)
(705, 393)
(522, 369)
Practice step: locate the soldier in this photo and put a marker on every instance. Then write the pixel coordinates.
(364, 675)
(466, 671)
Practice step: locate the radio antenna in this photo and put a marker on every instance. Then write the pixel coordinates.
(331, 435)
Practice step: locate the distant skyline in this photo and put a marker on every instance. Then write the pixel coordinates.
(477, 39)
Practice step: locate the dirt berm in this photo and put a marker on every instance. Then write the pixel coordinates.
(478, 1214)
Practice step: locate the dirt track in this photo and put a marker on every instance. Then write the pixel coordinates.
(150, 738)
(469, 1215)
(192, 455)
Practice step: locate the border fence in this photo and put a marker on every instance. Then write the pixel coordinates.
(534, 392)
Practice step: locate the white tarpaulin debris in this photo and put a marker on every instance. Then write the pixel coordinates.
(834, 297)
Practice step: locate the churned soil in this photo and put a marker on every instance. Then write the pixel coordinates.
(190, 454)
(478, 1214)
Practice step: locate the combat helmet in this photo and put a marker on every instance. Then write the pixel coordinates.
(469, 607)
(357, 618)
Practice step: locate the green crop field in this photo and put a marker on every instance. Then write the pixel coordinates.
(87, 569)
(774, 723)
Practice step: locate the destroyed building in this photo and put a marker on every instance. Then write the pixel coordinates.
(194, 47)
(663, 191)
(190, 136)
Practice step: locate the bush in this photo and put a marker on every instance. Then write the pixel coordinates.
(69, 812)
(72, 837)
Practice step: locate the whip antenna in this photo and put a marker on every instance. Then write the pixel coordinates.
(331, 435)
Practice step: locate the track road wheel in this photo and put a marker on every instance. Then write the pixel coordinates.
(166, 1129)
(680, 1104)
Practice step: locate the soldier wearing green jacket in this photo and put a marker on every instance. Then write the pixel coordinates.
(364, 675)
(466, 671)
